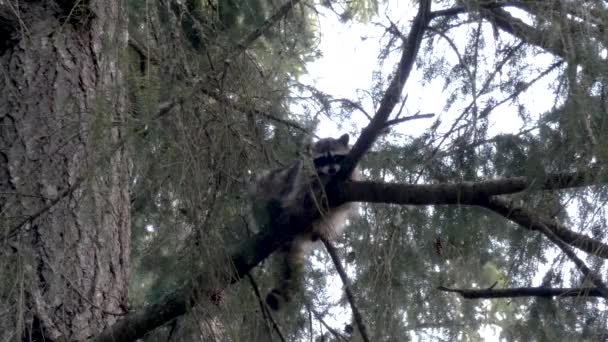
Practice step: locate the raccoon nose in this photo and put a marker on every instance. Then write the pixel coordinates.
(332, 170)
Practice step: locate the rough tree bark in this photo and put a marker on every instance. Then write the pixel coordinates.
(64, 201)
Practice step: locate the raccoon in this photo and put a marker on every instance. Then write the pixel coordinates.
(287, 188)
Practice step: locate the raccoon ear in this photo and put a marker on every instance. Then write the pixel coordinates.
(344, 139)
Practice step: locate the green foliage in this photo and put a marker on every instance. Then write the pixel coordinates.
(234, 114)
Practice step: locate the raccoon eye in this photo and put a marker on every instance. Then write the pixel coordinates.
(324, 161)
(338, 159)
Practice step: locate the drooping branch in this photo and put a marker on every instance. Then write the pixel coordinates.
(580, 264)
(393, 92)
(494, 12)
(551, 43)
(10, 24)
(202, 84)
(255, 111)
(347, 289)
(9, 15)
(268, 23)
(543, 292)
(532, 221)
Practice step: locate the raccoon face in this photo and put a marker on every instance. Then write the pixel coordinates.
(328, 153)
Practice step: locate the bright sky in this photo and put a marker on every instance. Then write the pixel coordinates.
(349, 59)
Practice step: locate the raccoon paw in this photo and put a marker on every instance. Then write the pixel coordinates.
(275, 300)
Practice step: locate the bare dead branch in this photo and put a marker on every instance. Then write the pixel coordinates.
(347, 289)
(543, 292)
(353, 104)
(408, 118)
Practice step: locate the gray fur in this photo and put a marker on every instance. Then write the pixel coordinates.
(285, 189)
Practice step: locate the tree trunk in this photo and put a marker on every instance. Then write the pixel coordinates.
(64, 200)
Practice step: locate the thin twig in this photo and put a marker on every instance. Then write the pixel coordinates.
(330, 329)
(347, 289)
(312, 335)
(67, 192)
(265, 313)
(408, 118)
(354, 105)
(268, 23)
(589, 274)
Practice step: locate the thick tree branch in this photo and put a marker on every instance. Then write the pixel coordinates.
(472, 193)
(393, 92)
(525, 32)
(480, 194)
(288, 224)
(281, 229)
(542, 292)
(347, 289)
(137, 324)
